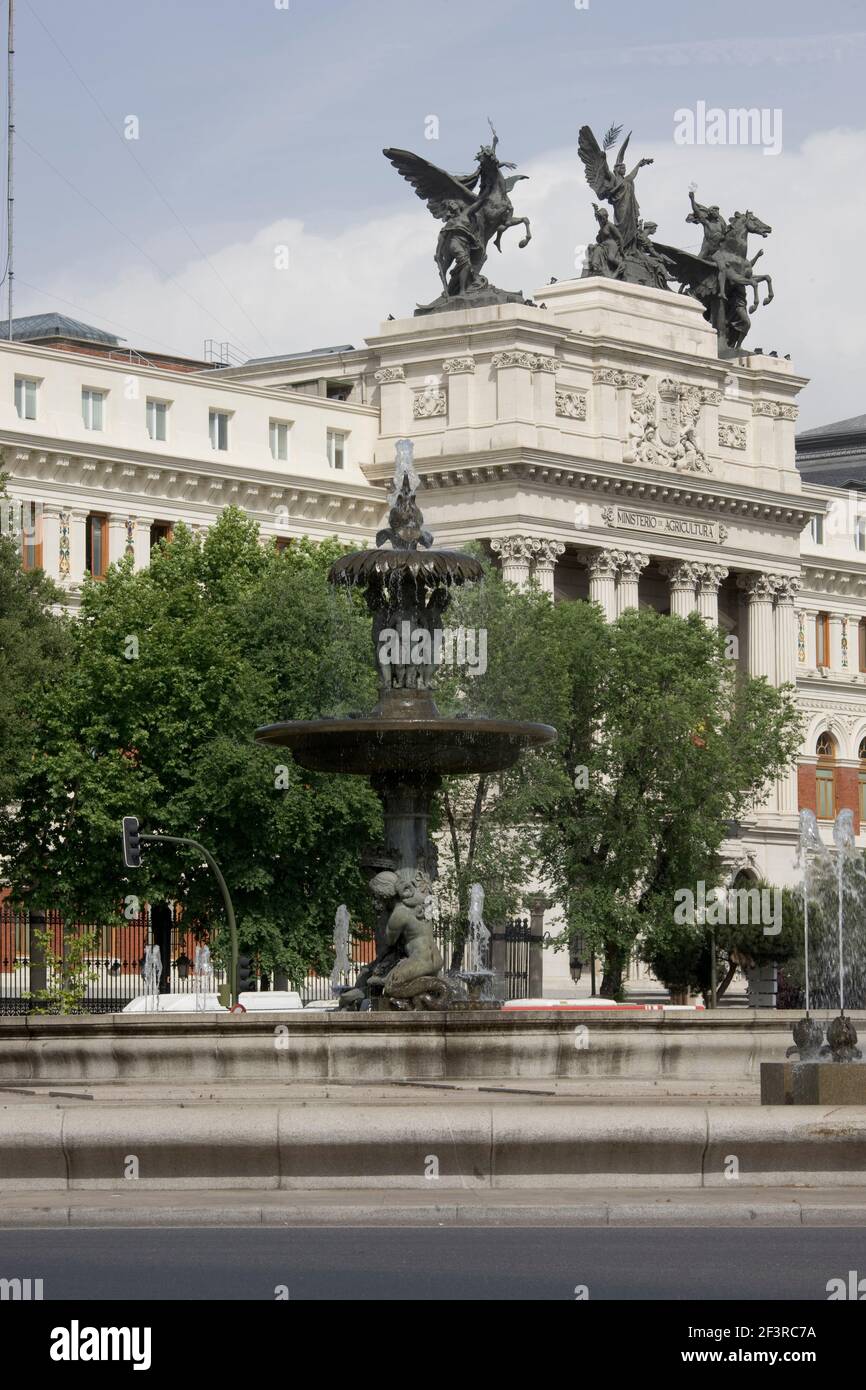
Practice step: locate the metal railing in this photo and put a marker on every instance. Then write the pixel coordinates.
(113, 971)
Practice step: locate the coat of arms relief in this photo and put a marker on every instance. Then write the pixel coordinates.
(663, 426)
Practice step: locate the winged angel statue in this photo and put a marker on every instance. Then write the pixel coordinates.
(474, 209)
(623, 249)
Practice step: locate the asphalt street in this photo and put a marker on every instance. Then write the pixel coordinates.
(433, 1263)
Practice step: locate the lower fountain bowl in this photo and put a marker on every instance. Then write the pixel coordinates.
(373, 746)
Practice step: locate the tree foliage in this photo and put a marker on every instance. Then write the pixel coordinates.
(173, 669)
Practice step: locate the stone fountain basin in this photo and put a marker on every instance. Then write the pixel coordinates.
(375, 745)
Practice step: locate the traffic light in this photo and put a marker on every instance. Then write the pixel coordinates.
(131, 842)
(246, 974)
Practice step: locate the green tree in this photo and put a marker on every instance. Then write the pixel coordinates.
(174, 668)
(34, 649)
(665, 743)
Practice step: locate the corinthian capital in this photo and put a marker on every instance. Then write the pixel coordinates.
(548, 552)
(631, 564)
(602, 564)
(519, 550)
(759, 586)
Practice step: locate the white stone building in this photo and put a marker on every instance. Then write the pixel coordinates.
(596, 442)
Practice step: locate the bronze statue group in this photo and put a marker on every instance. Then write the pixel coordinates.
(476, 209)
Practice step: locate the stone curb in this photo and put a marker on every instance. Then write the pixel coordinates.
(582, 1211)
(476, 1147)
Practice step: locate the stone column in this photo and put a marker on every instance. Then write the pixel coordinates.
(141, 541)
(77, 545)
(630, 567)
(683, 577)
(117, 537)
(761, 590)
(785, 625)
(785, 617)
(516, 554)
(51, 515)
(460, 372)
(513, 391)
(537, 905)
(835, 641)
(710, 580)
(546, 555)
(602, 565)
(393, 400)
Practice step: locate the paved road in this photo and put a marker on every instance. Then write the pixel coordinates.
(413, 1263)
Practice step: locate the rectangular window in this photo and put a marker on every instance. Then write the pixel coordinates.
(825, 793)
(822, 639)
(93, 408)
(336, 449)
(219, 429)
(279, 440)
(160, 531)
(25, 397)
(157, 419)
(861, 642)
(860, 533)
(31, 535)
(816, 529)
(96, 545)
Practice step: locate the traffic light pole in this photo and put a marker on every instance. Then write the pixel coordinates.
(230, 912)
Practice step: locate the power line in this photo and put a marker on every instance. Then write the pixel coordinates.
(140, 249)
(112, 127)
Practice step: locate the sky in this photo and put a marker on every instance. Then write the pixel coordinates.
(255, 207)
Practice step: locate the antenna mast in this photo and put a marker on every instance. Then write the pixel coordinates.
(10, 131)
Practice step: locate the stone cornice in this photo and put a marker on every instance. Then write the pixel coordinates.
(165, 464)
(130, 482)
(608, 480)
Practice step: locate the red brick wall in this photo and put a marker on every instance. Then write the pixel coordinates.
(848, 793)
(806, 791)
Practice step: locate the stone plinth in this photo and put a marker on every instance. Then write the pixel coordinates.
(813, 1083)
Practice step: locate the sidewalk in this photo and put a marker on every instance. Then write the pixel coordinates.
(440, 1206)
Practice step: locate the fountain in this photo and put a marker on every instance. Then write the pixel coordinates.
(342, 925)
(203, 981)
(808, 1031)
(826, 885)
(405, 746)
(476, 973)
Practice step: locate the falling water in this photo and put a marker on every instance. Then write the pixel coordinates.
(152, 973)
(846, 848)
(478, 937)
(203, 977)
(341, 947)
(812, 854)
(404, 463)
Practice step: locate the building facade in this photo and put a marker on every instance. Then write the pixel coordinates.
(596, 443)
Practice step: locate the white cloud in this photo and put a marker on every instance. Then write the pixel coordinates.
(338, 288)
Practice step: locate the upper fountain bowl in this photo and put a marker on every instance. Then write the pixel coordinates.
(431, 566)
(436, 746)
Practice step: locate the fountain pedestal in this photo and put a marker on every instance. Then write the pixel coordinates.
(813, 1083)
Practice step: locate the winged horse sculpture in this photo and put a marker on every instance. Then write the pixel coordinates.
(475, 210)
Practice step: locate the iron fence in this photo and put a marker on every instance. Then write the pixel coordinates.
(112, 974)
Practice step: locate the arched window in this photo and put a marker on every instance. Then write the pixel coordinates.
(825, 777)
(861, 779)
(822, 639)
(861, 643)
